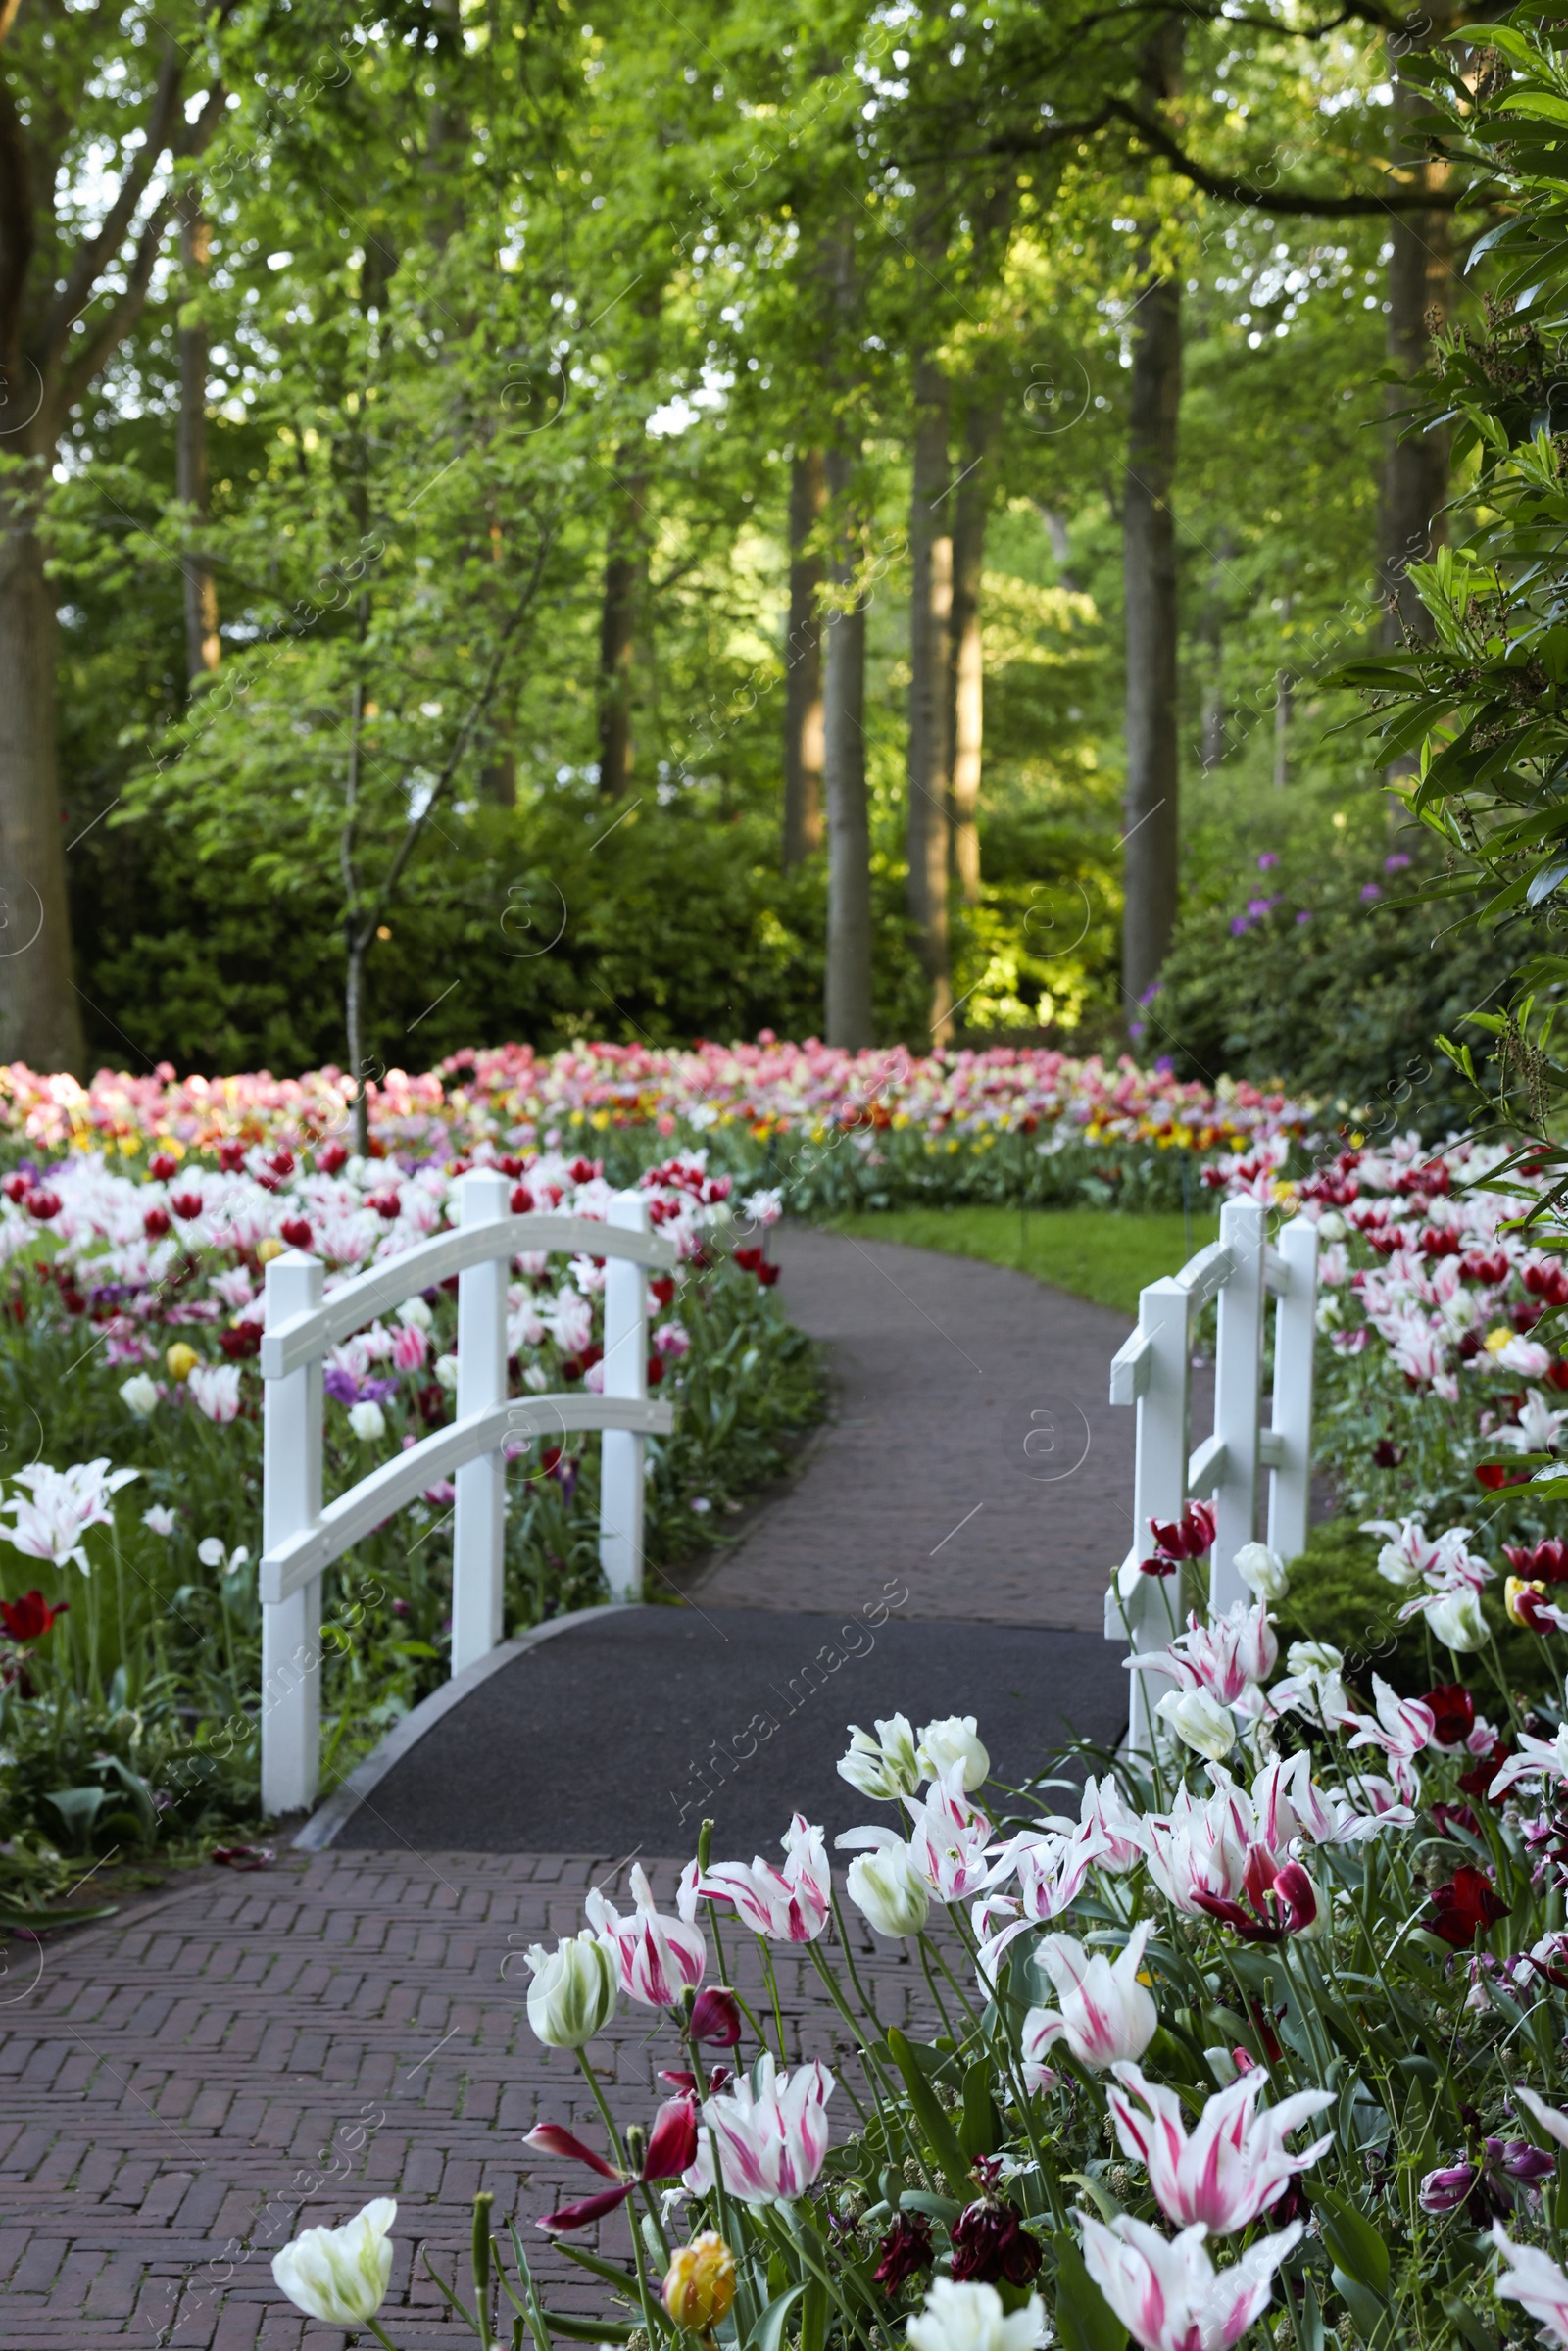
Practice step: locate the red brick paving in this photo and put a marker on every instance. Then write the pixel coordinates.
(181, 2093)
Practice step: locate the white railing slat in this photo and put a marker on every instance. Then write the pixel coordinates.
(1130, 1368)
(1295, 1361)
(431, 1262)
(1205, 1273)
(1206, 1467)
(291, 1501)
(1238, 1370)
(478, 1535)
(620, 1457)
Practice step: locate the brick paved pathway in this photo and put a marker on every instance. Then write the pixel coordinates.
(184, 2093)
(185, 2089)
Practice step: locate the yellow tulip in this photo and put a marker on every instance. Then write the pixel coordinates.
(182, 1360)
(270, 1249)
(700, 2283)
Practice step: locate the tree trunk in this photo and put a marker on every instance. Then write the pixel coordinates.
(803, 654)
(1415, 470)
(1153, 835)
(849, 824)
(1211, 636)
(202, 642)
(966, 723)
(930, 614)
(40, 1022)
(1149, 545)
(618, 636)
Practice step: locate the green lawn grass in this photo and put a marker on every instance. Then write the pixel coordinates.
(1095, 1254)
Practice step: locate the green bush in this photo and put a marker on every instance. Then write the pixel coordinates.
(1336, 1595)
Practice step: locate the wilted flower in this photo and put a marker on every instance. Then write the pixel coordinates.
(340, 2276)
(572, 1995)
(990, 2245)
(671, 2144)
(700, 2283)
(904, 2248)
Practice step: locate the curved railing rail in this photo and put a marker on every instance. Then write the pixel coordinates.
(1153, 1372)
(301, 1537)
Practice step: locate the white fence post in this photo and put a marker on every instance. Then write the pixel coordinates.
(620, 1459)
(1160, 1486)
(291, 1499)
(479, 1539)
(1237, 1371)
(1295, 1361)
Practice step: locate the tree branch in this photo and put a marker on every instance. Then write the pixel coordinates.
(93, 256)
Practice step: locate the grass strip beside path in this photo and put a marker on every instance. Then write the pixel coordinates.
(1097, 1254)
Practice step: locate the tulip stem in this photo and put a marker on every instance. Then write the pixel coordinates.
(772, 1980)
(599, 2100)
(381, 2336)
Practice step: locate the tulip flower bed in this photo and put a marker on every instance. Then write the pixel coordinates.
(131, 1318)
(1267, 2034)
(837, 1130)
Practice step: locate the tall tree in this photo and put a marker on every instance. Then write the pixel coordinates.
(930, 615)
(83, 102)
(848, 1007)
(802, 659)
(1153, 830)
(966, 695)
(625, 575)
(202, 642)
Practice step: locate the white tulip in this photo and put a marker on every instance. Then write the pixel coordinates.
(574, 1991)
(140, 1396)
(340, 2275)
(367, 1421)
(884, 1767)
(1200, 1722)
(1316, 1657)
(1262, 1571)
(945, 1744)
(888, 1888)
(1458, 1622)
(158, 1520)
(970, 2318)
(1331, 1226)
(415, 1314)
(446, 1371)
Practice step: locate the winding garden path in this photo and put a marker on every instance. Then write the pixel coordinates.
(186, 2088)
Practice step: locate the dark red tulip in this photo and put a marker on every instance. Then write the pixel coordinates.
(1453, 1713)
(715, 2017)
(1467, 1906)
(31, 1617)
(990, 2243)
(905, 2250)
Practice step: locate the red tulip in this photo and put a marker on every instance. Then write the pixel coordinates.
(715, 2017)
(31, 1617)
(330, 1157)
(1539, 1563)
(186, 1203)
(1453, 1713)
(296, 1231)
(42, 1204)
(521, 1201)
(155, 1223)
(1467, 1906)
(161, 1167)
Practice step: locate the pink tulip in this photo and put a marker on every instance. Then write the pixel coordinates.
(1229, 1659)
(657, 1958)
(409, 1347)
(1235, 2164)
(1168, 2295)
(1106, 2015)
(1534, 2280)
(1403, 1726)
(791, 1904)
(772, 2141)
(1197, 1850)
(949, 1839)
(1050, 1872)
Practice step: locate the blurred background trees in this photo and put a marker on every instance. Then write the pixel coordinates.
(832, 519)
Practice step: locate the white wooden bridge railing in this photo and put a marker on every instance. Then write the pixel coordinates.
(301, 1537)
(1153, 1372)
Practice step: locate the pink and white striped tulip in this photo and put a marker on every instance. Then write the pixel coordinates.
(1049, 1872)
(792, 1904)
(949, 1839)
(1197, 1848)
(1403, 1726)
(1236, 2162)
(1169, 2294)
(657, 1958)
(1105, 2015)
(1228, 1659)
(1534, 2280)
(773, 2139)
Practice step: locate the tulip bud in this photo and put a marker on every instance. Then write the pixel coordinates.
(1458, 1622)
(700, 2283)
(715, 2017)
(1200, 1722)
(182, 1360)
(945, 1744)
(883, 1767)
(267, 1250)
(1262, 1571)
(572, 1992)
(890, 1889)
